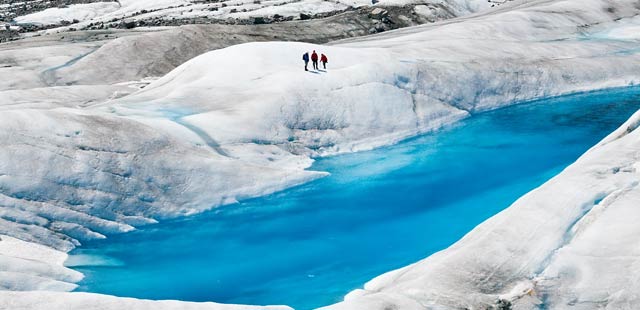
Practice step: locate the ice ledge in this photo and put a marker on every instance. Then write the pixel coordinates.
(86, 301)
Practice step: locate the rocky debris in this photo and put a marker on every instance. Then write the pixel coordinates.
(304, 16)
(374, 20)
(378, 13)
(8, 32)
(129, 24)
(495, 3)
(8, 35)
(503, 304)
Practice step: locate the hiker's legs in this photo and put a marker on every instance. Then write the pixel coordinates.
(324, 65)
(306, 63)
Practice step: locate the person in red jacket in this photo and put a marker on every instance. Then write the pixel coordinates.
(324, 60)
(314, 59)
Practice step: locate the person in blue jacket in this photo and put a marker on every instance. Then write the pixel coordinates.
(305, 57)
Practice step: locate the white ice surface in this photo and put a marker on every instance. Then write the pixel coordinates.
(26, 67)
(25, 265)
(80, 12)
(431, 74)
(99, 11)
(201, 136)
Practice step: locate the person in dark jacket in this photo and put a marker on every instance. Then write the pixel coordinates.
(314, 59)
(305, 57)
(324, 60)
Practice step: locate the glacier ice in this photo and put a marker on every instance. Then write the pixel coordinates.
(86, 167)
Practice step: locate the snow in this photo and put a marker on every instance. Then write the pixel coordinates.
(628, 29)
(98, 11)
(3, 27)
(59, 96)
(25, 65)
(246, 121)
(291, 9)
(29, 266)
(80, 12)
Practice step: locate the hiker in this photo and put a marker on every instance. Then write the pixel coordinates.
(305, 57)
(314, 59)
(324, 60)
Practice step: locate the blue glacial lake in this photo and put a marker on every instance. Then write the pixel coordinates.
(379, 210)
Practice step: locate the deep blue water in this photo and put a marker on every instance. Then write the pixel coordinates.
(379, 210)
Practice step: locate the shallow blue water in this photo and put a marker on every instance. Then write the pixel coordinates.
(379, 210)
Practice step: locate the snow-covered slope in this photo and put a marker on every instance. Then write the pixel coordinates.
(155, 54)
(32, 63)
(244, 121)
(79, 12)
(394, 85)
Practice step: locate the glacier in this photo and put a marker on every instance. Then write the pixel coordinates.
(569, 244)
(113, 12)
(246, 121)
